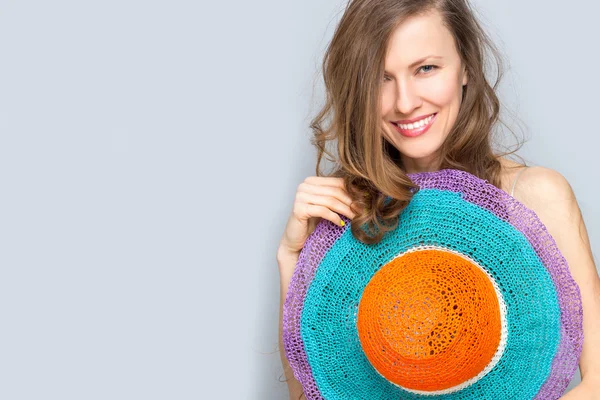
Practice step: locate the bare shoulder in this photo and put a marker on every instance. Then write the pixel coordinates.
(542, 188)
(539, 188)
(550, 196)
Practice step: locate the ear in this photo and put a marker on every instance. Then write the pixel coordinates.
(465, 75)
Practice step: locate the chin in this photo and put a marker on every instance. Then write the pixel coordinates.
(420, 151)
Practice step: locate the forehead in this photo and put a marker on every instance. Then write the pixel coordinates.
(417, 37)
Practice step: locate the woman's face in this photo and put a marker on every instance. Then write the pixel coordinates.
(424, 76)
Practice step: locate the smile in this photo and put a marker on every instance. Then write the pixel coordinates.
(415, 128)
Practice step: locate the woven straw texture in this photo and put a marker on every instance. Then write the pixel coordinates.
(468, 298)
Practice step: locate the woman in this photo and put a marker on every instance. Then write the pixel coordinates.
(406, 93)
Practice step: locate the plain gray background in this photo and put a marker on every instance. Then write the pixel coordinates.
(149, 156)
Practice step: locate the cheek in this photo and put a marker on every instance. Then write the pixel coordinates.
(441, 91)
(387, 100)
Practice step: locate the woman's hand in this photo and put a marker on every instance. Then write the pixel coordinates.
(316, 198)
(586, 390)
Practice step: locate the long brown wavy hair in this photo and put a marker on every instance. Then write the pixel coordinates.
(350, 119)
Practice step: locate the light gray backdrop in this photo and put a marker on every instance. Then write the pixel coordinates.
(149, 156)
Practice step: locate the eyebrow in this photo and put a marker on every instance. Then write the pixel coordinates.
(419, 61)
(423, 59)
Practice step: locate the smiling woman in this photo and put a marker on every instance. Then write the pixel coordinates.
(427, 96)
(376, 254)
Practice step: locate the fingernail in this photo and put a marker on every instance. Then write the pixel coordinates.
(342, 223)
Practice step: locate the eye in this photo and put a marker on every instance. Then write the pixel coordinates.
(386, 78)
(432, 67)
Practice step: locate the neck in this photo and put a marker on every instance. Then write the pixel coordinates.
(424, 164)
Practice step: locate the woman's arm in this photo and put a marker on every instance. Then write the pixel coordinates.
(286, 262)
(317, 198)
(583, 391)
(551, 197)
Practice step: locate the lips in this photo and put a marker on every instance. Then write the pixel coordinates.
(411, 121)
(417, 130)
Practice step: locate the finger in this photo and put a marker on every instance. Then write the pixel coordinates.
(323, 212)
(331, 191)
(325, 181)
(337, 190)
(322, 182)
(326, 201)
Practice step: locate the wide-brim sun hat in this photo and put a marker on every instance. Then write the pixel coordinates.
(468, 297)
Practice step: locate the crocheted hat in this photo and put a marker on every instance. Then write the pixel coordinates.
(468, 298)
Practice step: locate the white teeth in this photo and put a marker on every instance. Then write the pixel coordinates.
(418, 124)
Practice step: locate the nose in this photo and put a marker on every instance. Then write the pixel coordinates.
(408, 98)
